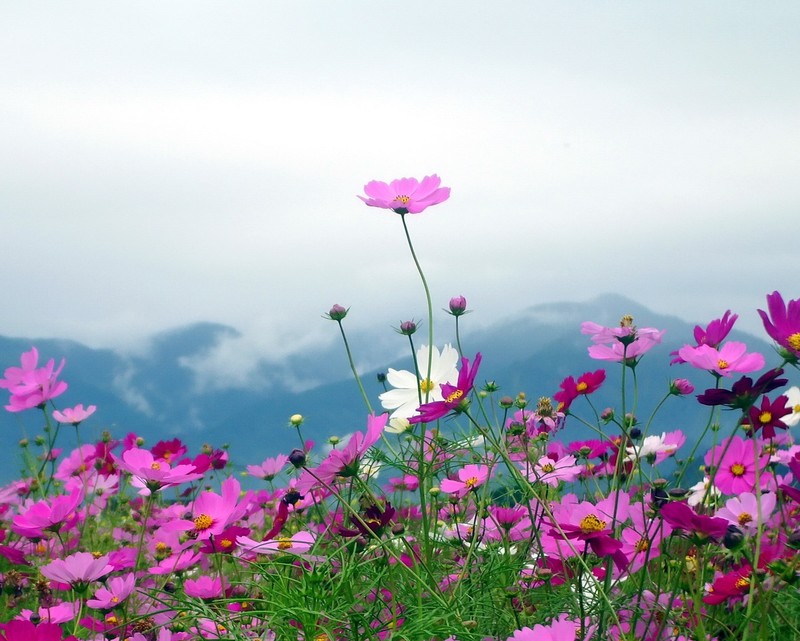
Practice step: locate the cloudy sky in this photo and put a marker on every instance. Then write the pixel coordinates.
(168, 162)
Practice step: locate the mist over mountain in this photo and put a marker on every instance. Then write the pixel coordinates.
(200, 383)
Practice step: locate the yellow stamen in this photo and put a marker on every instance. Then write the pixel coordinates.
(454, 396)
(203, 522)
(591, 524)
(743, 583)
(284, 543)
(226, 544)
(737, 469)
(642, 545)
(155, 465)
(471, 482)
(426, 385)
(745, 518)
(794, 341)
(723, 364)
(581, 387)
(548, 467)
(403, 199)
(765, 417)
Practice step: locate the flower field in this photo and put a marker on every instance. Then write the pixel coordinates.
(454, 512)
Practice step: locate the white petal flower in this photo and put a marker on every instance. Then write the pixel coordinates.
(793, 394)
(403, 400)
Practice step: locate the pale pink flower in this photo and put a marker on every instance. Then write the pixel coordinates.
(77, 569)
(203, 587)
(747, 511)
(212, 512)
(151, 474)
(406, 195)
(75, 414)
(729, 359)
(114, 592)
(551, 471)
(299, 543)
(470, 477)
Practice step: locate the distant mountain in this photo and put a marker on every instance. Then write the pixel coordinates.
(182, 384)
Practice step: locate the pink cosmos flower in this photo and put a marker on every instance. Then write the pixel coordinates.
(30, 386)
(470, 477)
(570, 388)
(344, 463)
(48, 515)
(151, 474)
(747, 511)
(115, 591)
(203, 587)
(213, 512)
(406, 195)
(713, 334)
(77, 569)
(735, 463)
(680, 515)
(27, 631)
(61, 613)
(75, 414)
(551, 470)
(269, 469)
(561, 628)
(299, 543)
(454, 396)
(617, 344)
(730, 358)
(783, 322)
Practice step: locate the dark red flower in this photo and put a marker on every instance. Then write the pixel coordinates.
(767, 417)
(744, 393)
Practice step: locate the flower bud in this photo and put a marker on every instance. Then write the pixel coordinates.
(337, 313)
(296, 420)
(333, 440)
(680, 387)
(506, 402)
(733, 537)
(381, 376)
(297, 458)
(407, 328)
(458, 306)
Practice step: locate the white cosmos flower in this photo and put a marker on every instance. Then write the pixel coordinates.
(793, 396)
(403, 400)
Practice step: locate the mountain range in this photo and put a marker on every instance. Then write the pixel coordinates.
(185, 383)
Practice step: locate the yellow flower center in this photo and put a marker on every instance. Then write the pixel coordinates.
(591, 524)
(454, 396)
(722, 364)
(426, 385)
(403, 199)
(203, 522)
(114, 599)
(581, 387)
(745, 518)
(743, 583)
(765, 417)
(161, 547)
(155, 465)
(471, 482)
(284, 543)
(642, 545)
(794, 341)
(796, 409)
(737, 469)
(548, 467)
(226, 544)
(41, 548)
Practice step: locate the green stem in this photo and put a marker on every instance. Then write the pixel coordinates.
(353, 367)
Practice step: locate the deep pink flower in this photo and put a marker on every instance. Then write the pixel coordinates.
(406, 195)
(75, 414)
(455, 396)
(561, 628)
(114, 592)
(30, 386)
(570, 388)
(48, 515)
(730, 358)
(713, 334)
(680, 515)
(783, 322)
(169, 451)
(203, 587)
(733, 585)
(77, 569)
(213, 512)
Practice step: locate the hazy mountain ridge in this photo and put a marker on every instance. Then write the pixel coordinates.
(156, 394)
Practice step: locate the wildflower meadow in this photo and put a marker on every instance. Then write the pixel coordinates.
(458, 510)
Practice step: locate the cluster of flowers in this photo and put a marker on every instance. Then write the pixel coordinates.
(510, 531)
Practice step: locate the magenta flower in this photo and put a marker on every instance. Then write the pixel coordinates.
(75, 414)
(454, 396)
(406, 195)
(744, 393)
(26, 631)
(680, 515)
(783, 322)
(30, 386)
(561, 628)
(470, 477)
(77, 570)
(713, 334)
(48, 516)
(151, 474)
(730, 358)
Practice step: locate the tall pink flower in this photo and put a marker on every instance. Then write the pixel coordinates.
(74, 415)
(736, 464)
(18, 630)
(151, 474)
(212, 512)
(470, 477)
(48, 515)
(78, 570)
(783, 322)
(406, 195)
(455, 397)
(562, 628)
(31, 386)
(731, 357)
(624, 343)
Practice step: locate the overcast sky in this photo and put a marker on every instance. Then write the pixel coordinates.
(169, 162)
